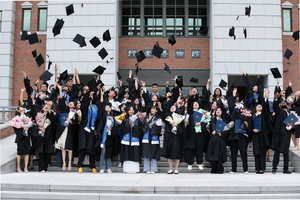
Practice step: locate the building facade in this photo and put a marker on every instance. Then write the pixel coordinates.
(136, 25)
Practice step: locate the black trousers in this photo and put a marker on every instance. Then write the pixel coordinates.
(82, 154)
(43, 161)
(217, 166)
(260, 160)
(191, 153)
(234, 151)
(285, 160)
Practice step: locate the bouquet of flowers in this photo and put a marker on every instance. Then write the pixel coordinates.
(229, 126)
(120, 118)
(46, 124)
(70, 116)
(177, 118)
(109, 123)
(141, 115)
(290, 100)
(115, 106)
(206, 115)
(26, 122)
(16, 122)
(40, 120)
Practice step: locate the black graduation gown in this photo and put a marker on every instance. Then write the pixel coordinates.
(86, 140)
(296, 107)
(128, 152)
(281, 136)
(23, 142)
(71, 128)
(250, 93)
(46, 142)
(149, 150)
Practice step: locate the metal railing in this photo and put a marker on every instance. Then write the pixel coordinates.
(7, 113)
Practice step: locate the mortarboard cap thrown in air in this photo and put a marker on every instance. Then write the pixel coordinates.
(245, 32)
(231, 32)
(119, 76)
(95, 41)
(222, 83)
(167, 68)
(24, 36)
(33, 38)
(102, 53)
(57, 27)
(46, 76)
(203, 30)
(179, 81)
(247, 11)
(140, 56)
(296, 35)
(70, 9)
(172, 40)
(49, 64)
(34, 53)
(276, 73)
(64, 75)
(39, 60)
(157, 51)
(79, 39)
(106, 36)
(99, 70)
(194, 80)
(288, 53)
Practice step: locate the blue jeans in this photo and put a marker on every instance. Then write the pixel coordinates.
(150, 166)
(105, 163)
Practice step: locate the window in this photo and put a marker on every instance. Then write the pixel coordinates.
(163, 17)
(26, 19)
(286, 16)
(0, 19)
(42, 19)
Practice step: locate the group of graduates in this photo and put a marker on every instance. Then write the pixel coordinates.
(127, 122)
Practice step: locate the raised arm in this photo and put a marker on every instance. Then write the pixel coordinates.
(21, 96)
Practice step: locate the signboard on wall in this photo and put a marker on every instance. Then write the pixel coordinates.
(165, 54)
(148, 53)
(195, 53)
(179, 53)
(131, 53)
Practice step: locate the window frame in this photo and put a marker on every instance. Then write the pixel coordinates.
(290, 20)
(0, 20)
(39, 18)
(23, 12)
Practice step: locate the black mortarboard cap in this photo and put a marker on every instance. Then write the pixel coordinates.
(49, 64)
(102, 53)
(53, 96)
(167, 68)
(39, 60)
(276, 73)
(245, 32)
(296, 35)
(34, 53)
(140, 56)
(106, 36)
(79, 39)
(46, 76)
(222, 83)
(95, 41)
(288, 53)
(172, 40)
(194, 80)
(57, 27)
(99, 70)
(74, 91)
(119, 75)
(64, 75)
(93, 84)
(70, 9)
(179, 81)
(157, 51)
(33, 38)
(203, 30)
(248, 10)
(24, 36)
(231, 32)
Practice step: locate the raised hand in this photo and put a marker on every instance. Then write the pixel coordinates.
(56, 67)
(209, 80)
(290, 83)
(22, 90)
(24, 74)
(167, 83)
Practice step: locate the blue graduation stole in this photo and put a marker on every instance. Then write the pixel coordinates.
(134, 140)
(105, 132)
(146, 135)
(92, 116)
(68, 96)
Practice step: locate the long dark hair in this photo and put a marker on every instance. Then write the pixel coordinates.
(127, 115)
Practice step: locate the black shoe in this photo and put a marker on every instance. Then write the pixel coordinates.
(274, 171)
(287, 172)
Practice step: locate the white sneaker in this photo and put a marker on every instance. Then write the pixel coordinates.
(108, 171)
(101, 171)
(200, 167)
(148, 172)
(190, 167)
(119, 165)
(152, 172)
(231, 172)
(246, 172)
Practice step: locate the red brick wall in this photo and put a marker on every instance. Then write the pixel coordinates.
(6, 132)
(23, 59)
(292, 72)
(172, 62)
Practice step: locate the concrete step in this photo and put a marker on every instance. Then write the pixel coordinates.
(5, 195)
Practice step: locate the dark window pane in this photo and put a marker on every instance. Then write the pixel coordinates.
(192, 11)
(170, 2)
(170, 11)
(125, 20)
(201, 11)
(136, 2)
(179, 11)
(179, 2)
(158, 2)
(136, 11)
(203, 21)
(157, 11)
(201, 2)
(148, 11)
(126, 2)
(192, 2)
(126, 11)
(148, 2)
(125, 31)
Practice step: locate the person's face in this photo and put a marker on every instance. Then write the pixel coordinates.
(194, 91)
(255, 89)
(136, 102)
(51, 88)
(131, 111)
(123, 108)
(78, 105)
(126, 96)
(46, 107)
(214, 105)
(258, 108)
(283, 93)
(44, 88)
(141, 92)
(154, 88)
(196, 106)
(107, 109)
(69, 83)
(217, 92)
(21, 109)
(154, 98)
(112, 93)
(219, 112)
(173, 109)
(65, 89)
(71, 105)
(153, 111)
(169, 94)
(117, 90)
